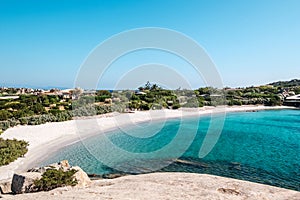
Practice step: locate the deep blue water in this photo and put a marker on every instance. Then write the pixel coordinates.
(259, 146)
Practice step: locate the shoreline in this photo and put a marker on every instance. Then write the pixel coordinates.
(49, 138)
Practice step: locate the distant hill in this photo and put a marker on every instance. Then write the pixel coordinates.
(291, 83)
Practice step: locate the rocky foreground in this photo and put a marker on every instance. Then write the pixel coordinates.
(166, 186)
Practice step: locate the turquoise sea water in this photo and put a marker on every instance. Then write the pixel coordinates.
(259, 146)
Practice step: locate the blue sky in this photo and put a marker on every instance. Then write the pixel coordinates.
(43, 43)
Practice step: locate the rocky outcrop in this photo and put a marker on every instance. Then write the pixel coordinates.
(24, 183)
(166, 186)
(5, 186)
(64, 165)
(81, 177)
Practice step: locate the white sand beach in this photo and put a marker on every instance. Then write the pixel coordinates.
(48, 138)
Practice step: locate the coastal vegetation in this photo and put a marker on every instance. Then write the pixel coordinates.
(54, 178)
(39, 108)
(10, 150)
(286, 84)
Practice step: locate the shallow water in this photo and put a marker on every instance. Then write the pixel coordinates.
(259, 146)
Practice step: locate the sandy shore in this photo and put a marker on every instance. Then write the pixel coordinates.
(167, 186)
(48, 138)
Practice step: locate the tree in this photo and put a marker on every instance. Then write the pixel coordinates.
(154, 87)
(141, 88)
(147, 86)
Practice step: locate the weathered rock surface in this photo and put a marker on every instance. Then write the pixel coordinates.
(24, 183)
(64, 165)
(162, 186)
(5, 186)
(81, 177)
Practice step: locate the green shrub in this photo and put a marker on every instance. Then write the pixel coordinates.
(233, 102)
(145, 106)
(10, 150)
(156, 106)
(36, 119)
(8, 123)
(63, 116)
(84, 110)
(192, 103)
(176, 106)
(116, 107)
(54, 178)
(4, 125)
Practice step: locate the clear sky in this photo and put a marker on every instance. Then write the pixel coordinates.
(43, 43)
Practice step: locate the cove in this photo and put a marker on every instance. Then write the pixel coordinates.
(261, 147)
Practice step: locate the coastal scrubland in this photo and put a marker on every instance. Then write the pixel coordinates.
(31, 109)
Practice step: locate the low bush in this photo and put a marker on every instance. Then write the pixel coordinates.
(176, 106)
(54, 178)
(84, 110)
(10, 150)
(8, 123)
